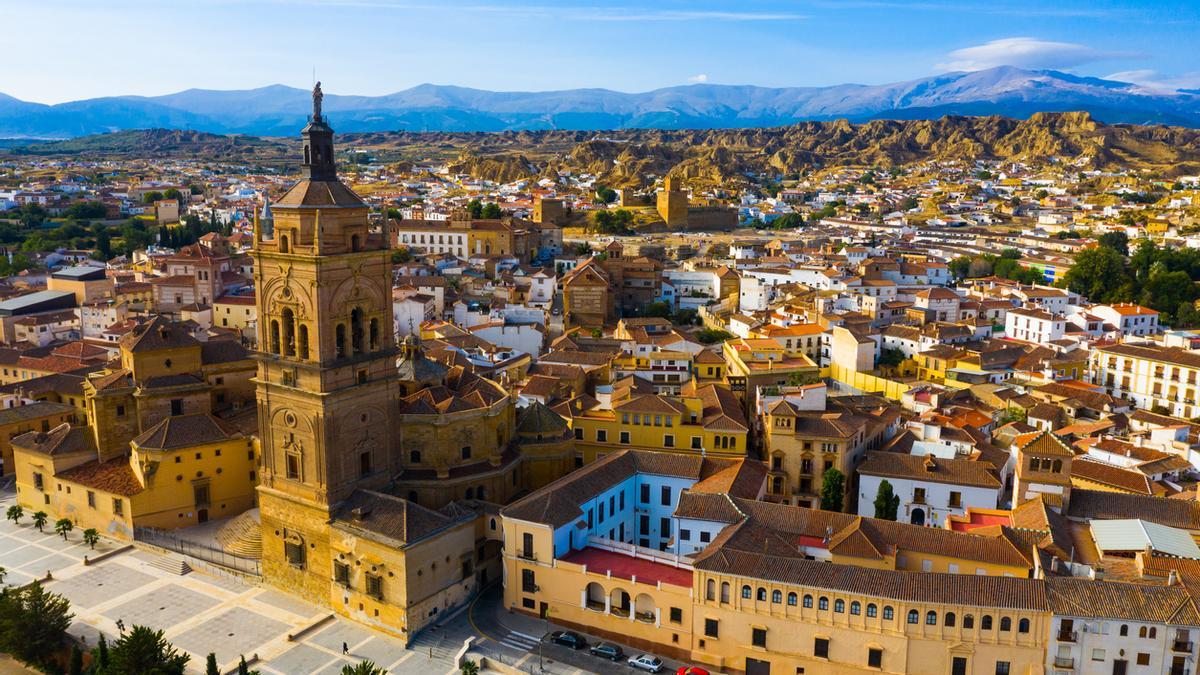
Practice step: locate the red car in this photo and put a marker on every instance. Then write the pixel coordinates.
(691, 670)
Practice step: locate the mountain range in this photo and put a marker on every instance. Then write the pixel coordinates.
(278, 110)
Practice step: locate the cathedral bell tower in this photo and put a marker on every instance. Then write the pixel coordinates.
(327, 376)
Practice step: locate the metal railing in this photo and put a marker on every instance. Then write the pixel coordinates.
(210, 554)
(1066, 662)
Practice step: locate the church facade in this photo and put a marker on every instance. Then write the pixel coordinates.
(379, 466)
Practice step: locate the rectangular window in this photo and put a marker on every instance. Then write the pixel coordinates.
(874, 658)
(294, 551)
(664, 527)
(668, 441)
(601, 436)
(625, 438)
(676, 615)
(341, 573)
(666, 495)
(91, 496)
(364, 464)
(37, 482)
(643, 525)
(711, 628)
(621, 495)
(758, 637)
(578, 433)
(528, 582)
(1003, 668)
(645, 492)
(375, 586)
(685, 535)
(821, 648)
(293, 466)
(705, 537)
(118, 506)
(696, 442)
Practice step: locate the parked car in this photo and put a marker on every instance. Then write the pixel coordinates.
(691, 670)
(647, 662)
(608, 650)
(568, 638)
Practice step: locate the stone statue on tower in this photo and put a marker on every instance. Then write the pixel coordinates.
(317, 96)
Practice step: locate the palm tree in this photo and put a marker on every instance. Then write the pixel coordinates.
(63, 526)
(15, 513)
(90, 537)
(39, 520)
(363, 668)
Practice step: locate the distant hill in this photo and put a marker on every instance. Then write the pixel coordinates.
(280, 111)
(631, 157)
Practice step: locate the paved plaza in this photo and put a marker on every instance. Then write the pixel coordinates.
(199, 612)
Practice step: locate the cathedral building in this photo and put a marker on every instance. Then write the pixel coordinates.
(378, 463)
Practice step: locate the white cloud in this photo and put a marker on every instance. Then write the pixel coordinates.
(1025, 52)
(698, 79)
(1156, 81)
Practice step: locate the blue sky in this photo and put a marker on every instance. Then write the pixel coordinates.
(59, 50)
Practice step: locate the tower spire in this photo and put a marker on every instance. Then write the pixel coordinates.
(318, 143)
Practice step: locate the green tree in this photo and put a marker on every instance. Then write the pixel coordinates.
(39, 520)
(1117, 241)
(173, 193)
(475, 208)
(887, 502)
(469, 668)
(75, 665)
(85, 210)
(15, 513)
(1098, 274)
(144, 651)
(401, 255)
(32, 622)
(100, 655)
(491, 211)
(606, 194)
(710, 335)
(64, 526)
(91, 537)
(210, 665)
(833, 489)
(959, 267)
(657, 309)
(1166, 291)
(363, 668)
(151, 197)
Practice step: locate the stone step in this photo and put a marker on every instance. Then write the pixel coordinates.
(171, 563)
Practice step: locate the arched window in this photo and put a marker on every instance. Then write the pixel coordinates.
(856, 608)
(968, 621)
(355, 243)
(931, 618)
(481, 492)
(307, 155)
(808, 601)
(1023, 626)
(1153, 632)
(1005, 624)
(839, 605)
(356, 330)
(761, 595)
(872, 610)
(340, 341)
(914, 616)
(374, 335)
(1057, 466)
(986, 622)
(776, 596)
(724, 591)
(823, 603)
(283, 243)
(274, 336)
(470, 493)
(289, 332)
(949, 620)
(791, 599)
(710, 592)
(746, 592)
(888, 613)
(302, 343)
(1141, 632)
(1124, 630)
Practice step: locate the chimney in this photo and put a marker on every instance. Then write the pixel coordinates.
(1173, 578)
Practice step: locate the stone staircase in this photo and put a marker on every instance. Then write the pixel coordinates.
(242, 536)
(171, 563)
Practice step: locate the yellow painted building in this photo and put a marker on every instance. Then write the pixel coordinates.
(706, 419)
